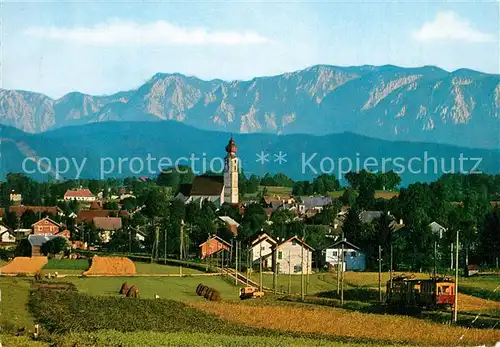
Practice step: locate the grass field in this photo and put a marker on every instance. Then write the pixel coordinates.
(174, 288)
(67, 266)
(158, 269)
(14, 313)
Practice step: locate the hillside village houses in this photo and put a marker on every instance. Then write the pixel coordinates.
(292, 256)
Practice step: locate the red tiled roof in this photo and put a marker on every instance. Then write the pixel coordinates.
(78, 193)
(96, 205)
(19, 210)
(108, 223)
(89, 215)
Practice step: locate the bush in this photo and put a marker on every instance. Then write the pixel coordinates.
(124, 289)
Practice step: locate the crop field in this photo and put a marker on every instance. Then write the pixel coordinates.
(339, 322)
(486, 287)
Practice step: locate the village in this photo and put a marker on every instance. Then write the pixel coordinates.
(357, 247)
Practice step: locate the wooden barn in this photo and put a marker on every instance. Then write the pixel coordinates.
(213, 245)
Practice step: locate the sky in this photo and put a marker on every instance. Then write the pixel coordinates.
(56, 47)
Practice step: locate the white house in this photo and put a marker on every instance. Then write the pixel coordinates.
(6, 234)
(437, 229)
(294, 256)
(262, 248)
(84, 195)
(354, 258)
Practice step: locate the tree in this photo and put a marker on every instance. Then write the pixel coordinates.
(11, 220)
(490, 238)
(28, 218)
(55, 246)
(349, 196)
(325, 183)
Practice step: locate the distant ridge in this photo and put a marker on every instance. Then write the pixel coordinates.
(387, 102)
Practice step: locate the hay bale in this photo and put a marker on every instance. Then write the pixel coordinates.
(203, 290)
(133, 292)
(208, 293)
(215, 296)
(124, 289)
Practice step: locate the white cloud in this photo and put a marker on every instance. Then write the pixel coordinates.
(157, 33)
(449, 26)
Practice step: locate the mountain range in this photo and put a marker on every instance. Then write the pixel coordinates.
(121, 149)
(425, 104)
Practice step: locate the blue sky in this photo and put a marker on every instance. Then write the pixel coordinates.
(104, 47)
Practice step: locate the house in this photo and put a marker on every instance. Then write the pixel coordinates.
(15, 198)
(46, 226)
(354, 258)
(6, 234)
(82, 194)
(314, 203)
(262, 250)
(294, 256)
(213, 245)
(437, 229)
(107, 226)
(231, 224)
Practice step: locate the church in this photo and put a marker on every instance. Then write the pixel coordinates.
(218, 189)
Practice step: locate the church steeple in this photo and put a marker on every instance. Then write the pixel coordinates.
(231, 194)
(231, 147)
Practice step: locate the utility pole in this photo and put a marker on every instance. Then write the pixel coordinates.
(249, 260)
(455, 305)
(307, 269)
(181, 243)
(338, 271)
(302, 271)
(435, 258)
(260, 265)
(129, 239)
(342, 274)
(275, 272)
(391, 268)
(236, 265)
(289, 272)
(379, 273)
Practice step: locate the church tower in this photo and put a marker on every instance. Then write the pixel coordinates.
(231, 174)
